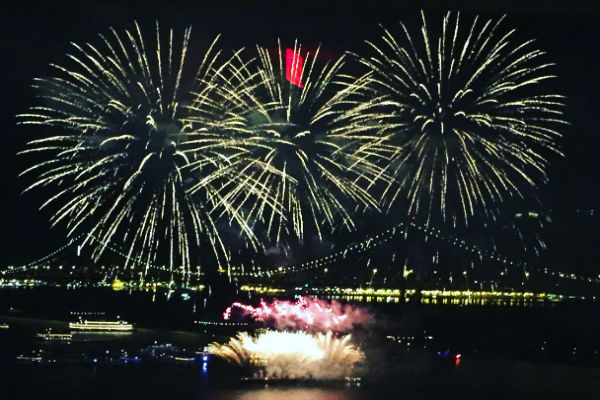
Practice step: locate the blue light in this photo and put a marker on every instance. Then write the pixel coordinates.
(205, 358)
(134, 359)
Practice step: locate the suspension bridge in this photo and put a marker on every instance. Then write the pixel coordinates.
(368, 245)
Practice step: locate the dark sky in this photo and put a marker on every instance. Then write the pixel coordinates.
(35, 35)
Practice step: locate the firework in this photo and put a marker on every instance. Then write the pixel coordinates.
(465, 113)
(123, 158)
(306, 313)
(292, 355)
(304, 150)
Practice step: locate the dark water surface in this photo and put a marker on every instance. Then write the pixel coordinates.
(481, 379)
(499, 346)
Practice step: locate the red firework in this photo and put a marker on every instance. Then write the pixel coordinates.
(306, 313)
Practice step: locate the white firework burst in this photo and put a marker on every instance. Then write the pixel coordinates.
(466, 114)
(121, 158)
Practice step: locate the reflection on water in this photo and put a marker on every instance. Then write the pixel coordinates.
(291, 394)
(466, 297)
(448, 300)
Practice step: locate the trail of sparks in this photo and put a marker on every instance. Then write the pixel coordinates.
(292, 355)
(125, 159)
(465, 115)
(306, 313)
(141, 162)
(304, 151)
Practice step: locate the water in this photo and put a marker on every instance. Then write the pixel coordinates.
(473, 379)
(491, 340)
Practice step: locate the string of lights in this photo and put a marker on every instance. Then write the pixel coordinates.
(55, 255)
(369, 243)
(145, 263)
(36, 263)
(403, 228)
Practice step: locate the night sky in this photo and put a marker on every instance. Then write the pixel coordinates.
(34, 36)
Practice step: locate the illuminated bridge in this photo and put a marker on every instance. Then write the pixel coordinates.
(369, 280)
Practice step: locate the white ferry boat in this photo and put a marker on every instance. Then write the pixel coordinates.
(101, 326)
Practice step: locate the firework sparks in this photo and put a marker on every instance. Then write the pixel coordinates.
(306, 313)
(304, 151)
(465, 114)
(125, 158)
(292, 355)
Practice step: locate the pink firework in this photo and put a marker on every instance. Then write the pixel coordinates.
(306, 313)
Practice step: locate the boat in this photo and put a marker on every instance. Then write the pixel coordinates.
(4, 325)
(50, 337)
(23, 359)
(101, 326)
(184, 360)
(35, 357)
